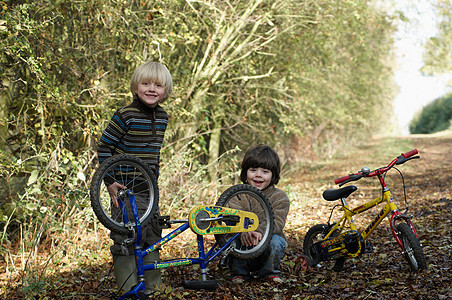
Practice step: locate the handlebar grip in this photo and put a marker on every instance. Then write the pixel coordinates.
(342, 179)
(409, 153)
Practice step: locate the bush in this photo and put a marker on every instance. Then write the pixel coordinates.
(434, 117)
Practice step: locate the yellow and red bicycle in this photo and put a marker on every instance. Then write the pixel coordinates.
(335, 242)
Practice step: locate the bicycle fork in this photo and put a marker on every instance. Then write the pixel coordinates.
(397, 216)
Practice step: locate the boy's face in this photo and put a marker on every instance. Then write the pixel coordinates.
(259, 177)
(151, 93)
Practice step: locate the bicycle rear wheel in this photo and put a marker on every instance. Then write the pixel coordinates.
(413, 249)
(248, 198)
(133, 173)
(316, 234)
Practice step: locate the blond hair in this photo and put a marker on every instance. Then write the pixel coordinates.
(154, 72)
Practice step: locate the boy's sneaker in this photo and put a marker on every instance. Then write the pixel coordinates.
(275, 278)
(238, 279)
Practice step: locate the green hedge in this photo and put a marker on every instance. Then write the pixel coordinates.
(434, 117)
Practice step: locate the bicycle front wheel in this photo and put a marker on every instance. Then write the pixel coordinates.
(412, 247)
(130, 172)
(248, 198)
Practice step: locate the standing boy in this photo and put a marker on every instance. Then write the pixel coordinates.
(138, 129)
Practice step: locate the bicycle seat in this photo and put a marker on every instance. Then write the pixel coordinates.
(335, 194)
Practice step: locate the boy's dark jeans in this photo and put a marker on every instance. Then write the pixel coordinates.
(266, 264)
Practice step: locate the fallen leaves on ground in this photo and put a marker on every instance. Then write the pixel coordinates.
(382, 274)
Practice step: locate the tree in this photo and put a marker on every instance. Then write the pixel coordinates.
(245, 72)
(437, 55)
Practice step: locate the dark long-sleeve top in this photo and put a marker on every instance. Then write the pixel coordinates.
(137, 130)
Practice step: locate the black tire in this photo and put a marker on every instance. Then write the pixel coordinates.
(315, 234)
(241, 197)
(412, 247)
(133, 173)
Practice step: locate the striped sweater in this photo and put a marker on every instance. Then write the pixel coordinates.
(137, 130)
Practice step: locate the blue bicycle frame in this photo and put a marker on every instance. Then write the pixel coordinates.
(203, 258)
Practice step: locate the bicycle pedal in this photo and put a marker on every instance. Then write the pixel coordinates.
(369, 248)
(163, 222)
(210, 285)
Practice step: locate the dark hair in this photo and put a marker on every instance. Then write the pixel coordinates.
(261, 156)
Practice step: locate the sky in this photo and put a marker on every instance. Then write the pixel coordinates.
(416, 90)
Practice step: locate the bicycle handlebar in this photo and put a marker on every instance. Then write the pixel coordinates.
(410, 153)
(365, 172)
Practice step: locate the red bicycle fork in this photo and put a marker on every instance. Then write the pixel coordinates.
(397, 215)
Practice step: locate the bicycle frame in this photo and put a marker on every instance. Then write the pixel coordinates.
(203, 258)
(389, 207)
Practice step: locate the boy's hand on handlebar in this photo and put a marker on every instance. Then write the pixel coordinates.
(250, 238)
(113, 191)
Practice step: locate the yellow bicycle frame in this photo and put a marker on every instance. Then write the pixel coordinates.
(347, 218)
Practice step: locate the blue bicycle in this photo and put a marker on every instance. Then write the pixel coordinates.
(123, 180)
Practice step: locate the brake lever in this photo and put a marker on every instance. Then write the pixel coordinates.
(404, 160)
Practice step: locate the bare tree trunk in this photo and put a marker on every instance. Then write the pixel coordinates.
(214, 149)
(4, 108)
(226, 47)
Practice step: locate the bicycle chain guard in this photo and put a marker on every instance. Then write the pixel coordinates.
(347, 244)
(205, 219)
